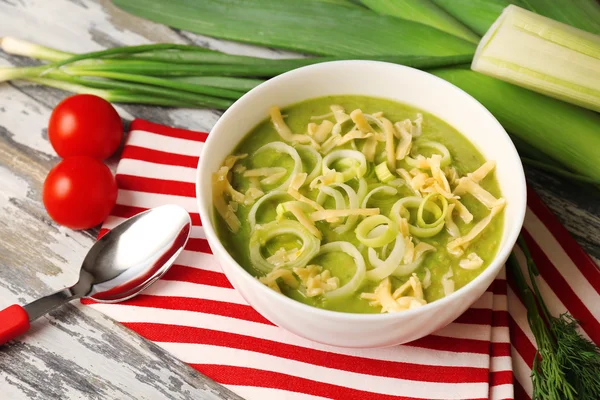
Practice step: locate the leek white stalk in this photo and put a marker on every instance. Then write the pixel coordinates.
(281, 147)
(359, 272)
(261, 235)
(383, 269)
(543, 55)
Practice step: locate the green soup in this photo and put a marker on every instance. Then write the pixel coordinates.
(465, 159)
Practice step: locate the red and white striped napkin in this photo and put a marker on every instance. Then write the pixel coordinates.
(195, 314)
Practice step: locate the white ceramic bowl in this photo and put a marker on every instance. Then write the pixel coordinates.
(378, 79)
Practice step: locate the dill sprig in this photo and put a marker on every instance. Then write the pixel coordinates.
(566, 365)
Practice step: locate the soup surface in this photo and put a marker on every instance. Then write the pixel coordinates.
(435, 222)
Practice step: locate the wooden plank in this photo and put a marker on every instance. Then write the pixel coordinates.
(76, 352)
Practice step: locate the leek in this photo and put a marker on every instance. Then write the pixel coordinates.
(383, 173)
(261, 236)
(566, 133)
(306, 26)
(383, 269)
(543, 55)
(283, 148)
(387, 190)
(359, 162)
(353, 202)
(359, 272)
(443, 151)
(365, 231)
(479, 15)
(440, 220)
(425, 12)
(273, 195)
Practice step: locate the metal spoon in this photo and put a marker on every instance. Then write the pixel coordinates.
(121, 264)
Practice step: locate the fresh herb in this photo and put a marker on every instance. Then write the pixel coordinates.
(566, 365)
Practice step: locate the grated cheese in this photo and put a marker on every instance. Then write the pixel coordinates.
(467, 185)
(273, 174)
(482, 171)
(399, 300)
(339, 113)
(463, 212)
(464, 241)
(283, 256)
(283, 130)
(322, 131)
(326, 214)
(270, 280)
(361, 122)
(448, 282)
(427, 280)
(451, 226)
(409, 181)
(382, 296)
(418, 125)
(316, 281)
(405, 137)
(389, 131)
(409, 250)
(472, 261)
(299, 214)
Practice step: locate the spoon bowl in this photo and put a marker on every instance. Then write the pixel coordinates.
(121, 264)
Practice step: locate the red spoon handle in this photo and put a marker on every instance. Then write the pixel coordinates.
(14, 321)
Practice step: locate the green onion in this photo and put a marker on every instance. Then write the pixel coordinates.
(425, 12)
(564, 132)
(129, 50)
(267, 69)
(115, 96)
(225, 82)
(543, 55)
(166, 83)
(307, 26)
(21, 47)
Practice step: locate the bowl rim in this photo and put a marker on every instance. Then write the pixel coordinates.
(494, 266)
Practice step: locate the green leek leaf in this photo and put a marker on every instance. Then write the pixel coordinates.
(314, 27)
(478, 15)
(566, 133)
(582, 14)
(425, 12)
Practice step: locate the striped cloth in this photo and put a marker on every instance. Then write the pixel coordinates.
(194, 313)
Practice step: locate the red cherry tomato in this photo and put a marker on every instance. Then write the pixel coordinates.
(79, 192)
(85, 125)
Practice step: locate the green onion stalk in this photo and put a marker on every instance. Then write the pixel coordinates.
(195, 76)
(566, 364)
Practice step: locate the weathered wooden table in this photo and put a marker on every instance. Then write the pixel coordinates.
(76, 352)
